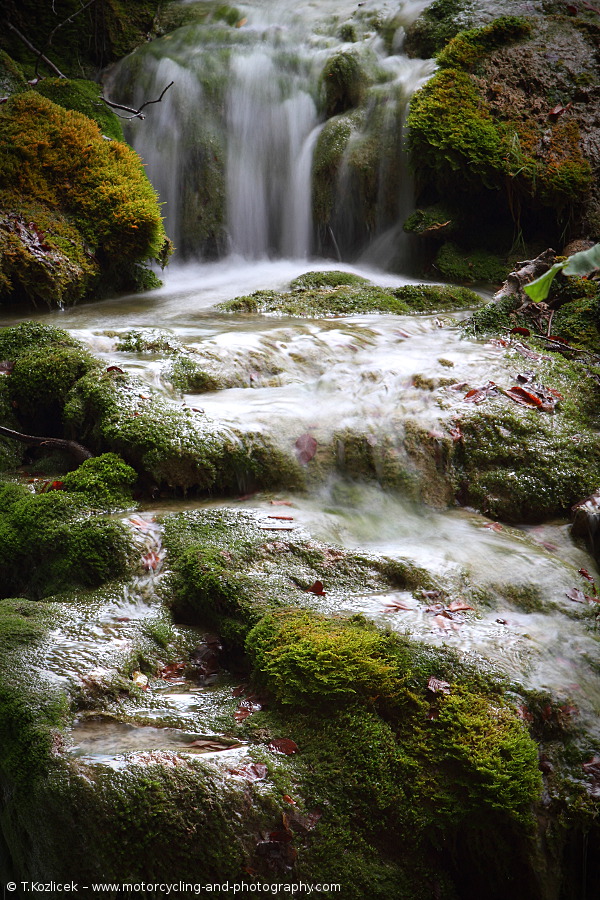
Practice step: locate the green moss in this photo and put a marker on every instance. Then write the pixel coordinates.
(436, 25)
(41, 380)
(425, 298)
(84, 97)
(189, 376)
(343, 82)
(48, 547)
(327, 159)
(306, 658)
(56, 161)
(527, 597)
(12, 79)
(333, 278)
(476, 266)
(105, 481)
(468, 47)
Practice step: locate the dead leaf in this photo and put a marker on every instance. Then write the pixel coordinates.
(289, 799)
(115, 369)
(306, 447)
(174, 671)
(281, 503)
(577, 595)
(282, 518)
(251, 772)
(395, 605)
(210, 746)
(525, 332)
(523, 397)
(284, 745)
(241, 713)
(459, 606)
(478, 395)
(151, 561)
(587, 576)
(493, 526)
(316, 588)
(438, 687)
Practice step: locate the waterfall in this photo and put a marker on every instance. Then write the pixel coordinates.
(249, 153)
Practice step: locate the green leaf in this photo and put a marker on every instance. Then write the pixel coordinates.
(584, 262)
(539, 289)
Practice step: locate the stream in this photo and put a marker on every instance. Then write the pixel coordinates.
(242, 121)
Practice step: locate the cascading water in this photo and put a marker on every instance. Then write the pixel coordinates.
(283, 133)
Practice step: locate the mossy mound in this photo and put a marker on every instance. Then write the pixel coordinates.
(341, 294)
(343, 83)
(470, 268)
(49, 546)
(12, 79)
(75, 205)
(104, 481)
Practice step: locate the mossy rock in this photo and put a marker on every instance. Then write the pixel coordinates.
(470, 267)
(436, 25)
(327, 159)
(332, 278)
(12, 79)
(75, 205)
(343, 83)
(48, 546)
(431, 221)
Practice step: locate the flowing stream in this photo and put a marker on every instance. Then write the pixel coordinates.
(231, 151)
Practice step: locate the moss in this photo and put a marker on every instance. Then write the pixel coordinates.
(476, 266)
(527, 597)
(468, 47)
(12, 79)
(105, 481)
(327, 159)
(425, 298)
(40, 383)
(578, 322)
(436, 25)
(83, 97)
(87, 191)
(189, 376)
(496, 317)
(306, 658)
(343, 82)
(47, 546)
(32, 336)
(333, 278)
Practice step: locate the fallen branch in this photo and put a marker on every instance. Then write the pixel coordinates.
(136, 113)
(37, 52)
(77, 451)
(527, 271)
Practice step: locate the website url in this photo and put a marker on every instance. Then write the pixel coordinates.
(290, 888)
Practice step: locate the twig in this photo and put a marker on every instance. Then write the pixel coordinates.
(37, 52)
(60, 25)
(136, 112)
(77, 451)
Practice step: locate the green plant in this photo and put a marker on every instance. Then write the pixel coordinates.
(583, 263)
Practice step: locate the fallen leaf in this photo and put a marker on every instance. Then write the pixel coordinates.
(576, 594)
(592, 767)
(241, 713)
(438, 687)
(459, 606)
(456, 434)
(140, 680)
(432, 595)
(284, 745)
(288, 799)
(151, 561)
(240, 690)
(316, 588)
(558, 110)
(306, 447)
(281, 503)
(173, 671)
(493, 526)
(523, 397)
(478, 395)
(210, 746)
(523, 713)
(441, 622)
(395, 605)
(282, 518)
(115, 369)
(525, 332)
(251, 772)
(587, 576)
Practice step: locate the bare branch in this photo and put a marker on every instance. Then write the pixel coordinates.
(37, 52)
(136, 113)
(55, 29)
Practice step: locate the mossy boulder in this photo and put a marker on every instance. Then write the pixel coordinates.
(49, 545)
(470, 267)
(343, 82)
(339, 293)
(83, 97)
(75, 206)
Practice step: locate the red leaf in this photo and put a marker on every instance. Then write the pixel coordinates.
(288, 799)
(283, 745)
(561, 340)
(586, 575)
(523, 397)
(282, 837)
(525, 332)
(317, 588)
(238, 691)
(559, 110)
(306, 447)
(394, 605)
(493, 526)
(477, 395)
(151, 561)
(282, 518)
(576, 594)
(115, 369)
(281, 503)
(241, 713)
(172, 671)
(456, 434)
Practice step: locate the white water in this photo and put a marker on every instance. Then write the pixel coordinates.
(238, 129)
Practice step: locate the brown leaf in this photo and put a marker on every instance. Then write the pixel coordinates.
(306, 447)
(459, 606)
(478, 395)
(438, 687)
(251, 772)
(456, 434)
(586, 575)
(115, 369)
(281, 503)
(282, 518)
(493, 526)
(316, 588)
(284, 745)
(174, 671)
(395, 605)
(210, 746)
(241, 713)
(432, 595)
(289, 799)
(240, 690)
(576, 594)
(525, 332)
(592, 767)
(151, 561)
